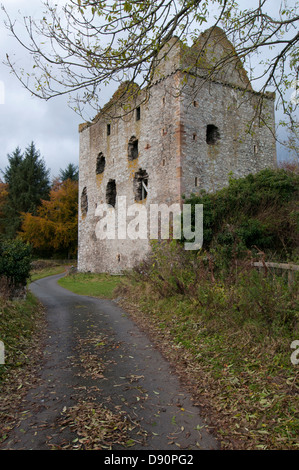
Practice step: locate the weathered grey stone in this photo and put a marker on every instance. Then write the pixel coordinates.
(190, 134)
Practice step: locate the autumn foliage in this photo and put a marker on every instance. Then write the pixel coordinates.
(54, 228)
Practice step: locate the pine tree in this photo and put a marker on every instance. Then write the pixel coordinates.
(35, 178)
(3, 199)
(28, 183)
(71, 172)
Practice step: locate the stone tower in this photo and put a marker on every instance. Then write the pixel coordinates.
(190, 132)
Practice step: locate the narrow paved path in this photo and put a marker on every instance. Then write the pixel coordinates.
(94, 354)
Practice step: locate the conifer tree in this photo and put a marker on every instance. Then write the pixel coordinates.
(28, 183)
(71, 172)
(3, 198)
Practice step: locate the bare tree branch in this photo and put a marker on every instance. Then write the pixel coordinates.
(80, 48)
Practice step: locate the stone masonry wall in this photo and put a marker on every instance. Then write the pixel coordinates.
(158, 134)
(190, 134)
(236, 151)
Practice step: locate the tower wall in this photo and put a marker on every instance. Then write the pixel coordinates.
(188, 134)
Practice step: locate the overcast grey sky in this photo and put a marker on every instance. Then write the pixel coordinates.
(51, 125)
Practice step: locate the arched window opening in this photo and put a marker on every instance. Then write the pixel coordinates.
(111, 193)
(133, 148)
(101, 162)
(84, 202)
(213, 134)
(140, 185)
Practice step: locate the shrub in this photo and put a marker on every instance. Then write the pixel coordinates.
(259, 210)
(15, 265)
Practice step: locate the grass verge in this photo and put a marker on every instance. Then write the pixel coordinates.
(230, 344)
(237, 366)
(18, 324)
(243, 379)
(21, 330)
(95, 285)
(22, 327)
(44, 268)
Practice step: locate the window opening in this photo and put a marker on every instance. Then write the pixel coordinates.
(108, 129)
(84, 202)
(140, 185)
(101, 162)
(111, 193)
(213, 135)
(133, 148)
(138, 113)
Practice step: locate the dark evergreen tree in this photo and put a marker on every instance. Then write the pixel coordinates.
(15, 160)
(71, 172)
(28, 183)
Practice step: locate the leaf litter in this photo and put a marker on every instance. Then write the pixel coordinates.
(99, 428)
(96, 426)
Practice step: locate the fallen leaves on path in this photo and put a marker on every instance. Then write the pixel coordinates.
(98, 428)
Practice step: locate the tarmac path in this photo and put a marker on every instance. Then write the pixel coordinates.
(95, 355)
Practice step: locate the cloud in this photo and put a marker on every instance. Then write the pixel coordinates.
(51, 125)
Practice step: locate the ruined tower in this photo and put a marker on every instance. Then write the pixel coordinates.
(193, 131)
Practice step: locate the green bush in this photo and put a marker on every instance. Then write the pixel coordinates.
(15, 263)
(255, 212)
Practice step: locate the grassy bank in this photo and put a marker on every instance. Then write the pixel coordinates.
(229, 334)
(228, 337)
(44, 268)
(18, 324)
(241, 375)
(96, 285)
(21, 330)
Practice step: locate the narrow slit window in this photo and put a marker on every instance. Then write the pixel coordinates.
(133, 148)
(138, 113)
(108, 129)
(101, 162)
(84, 202)
(111, 193)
